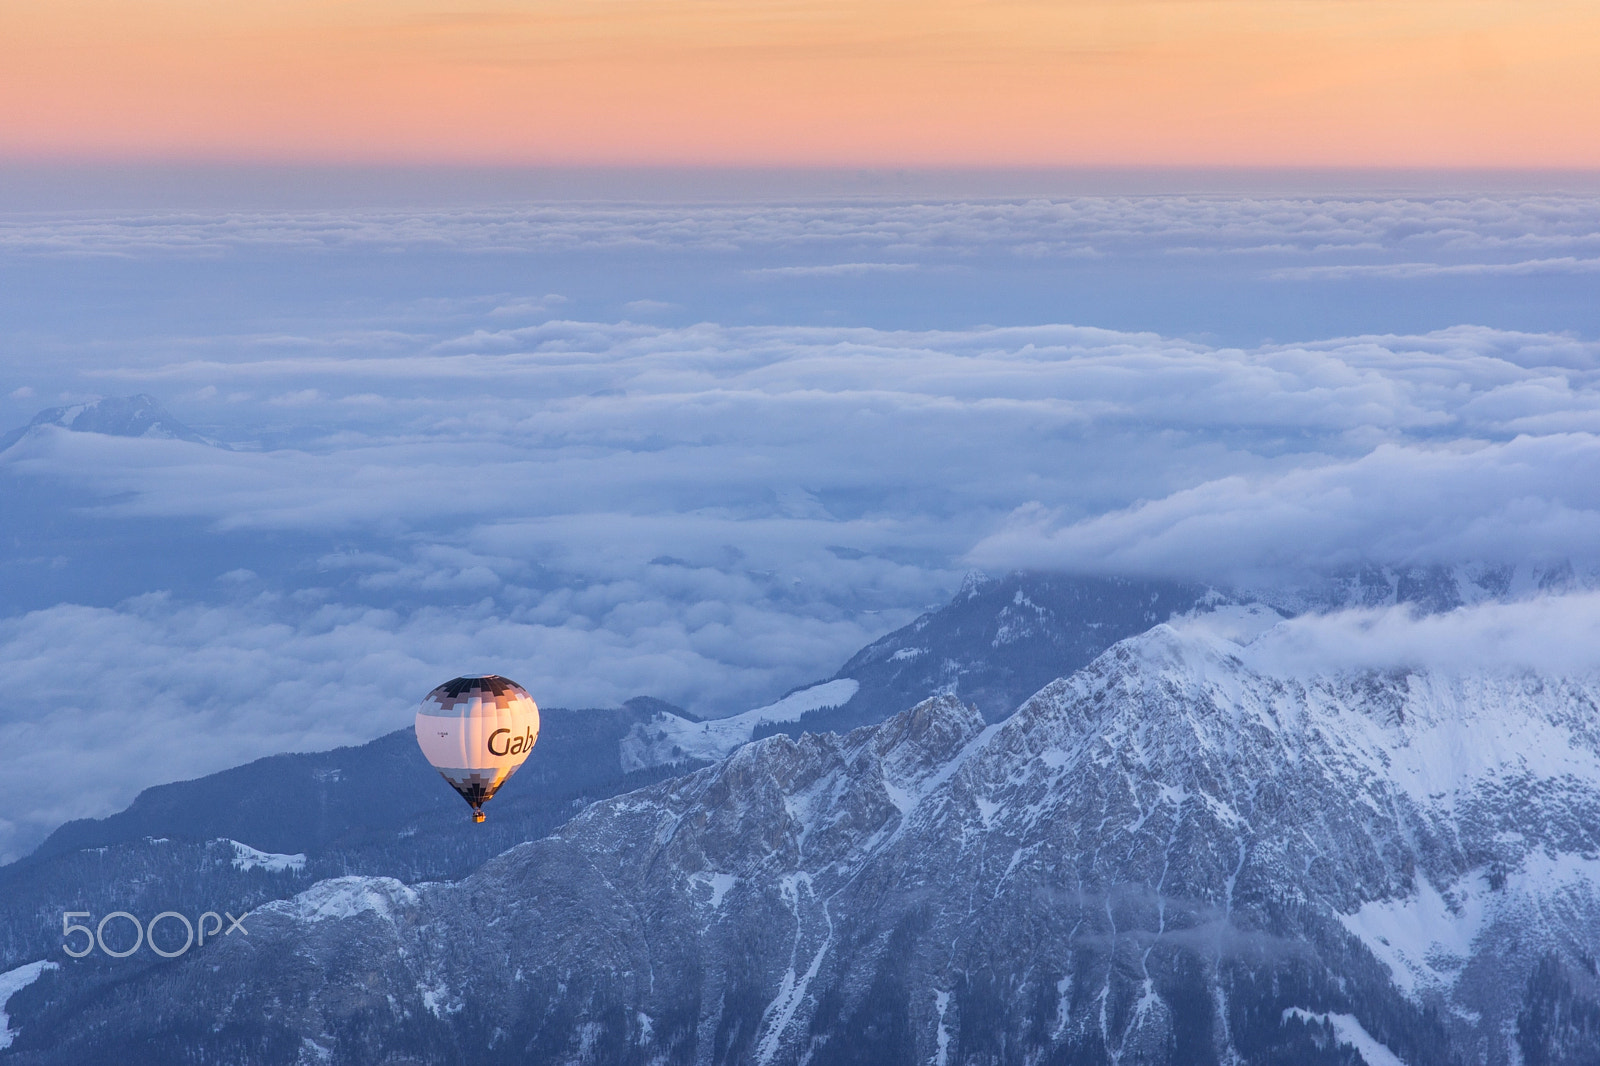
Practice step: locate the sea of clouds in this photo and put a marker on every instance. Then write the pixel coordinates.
(705, 453)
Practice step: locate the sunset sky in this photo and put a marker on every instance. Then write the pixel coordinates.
(1495, 83)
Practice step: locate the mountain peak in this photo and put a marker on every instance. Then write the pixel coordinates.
(140, 415)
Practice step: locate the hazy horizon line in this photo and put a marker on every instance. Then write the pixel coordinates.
(43, 185)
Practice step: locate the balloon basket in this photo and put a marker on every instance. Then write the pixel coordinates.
(477, 816)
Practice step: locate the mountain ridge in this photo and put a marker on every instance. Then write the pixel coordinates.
(1175, 855)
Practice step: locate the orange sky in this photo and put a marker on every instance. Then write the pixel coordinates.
(1513, 83)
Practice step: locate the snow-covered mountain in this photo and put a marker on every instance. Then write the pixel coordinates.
(370, 809)
(999, 639)
(1194, 850)
(377, 808)
(993, 645)
(117, 416)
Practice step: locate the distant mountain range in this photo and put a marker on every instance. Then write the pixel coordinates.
(1170, 854)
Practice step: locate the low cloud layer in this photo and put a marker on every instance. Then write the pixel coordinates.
(156, 689)
(1400, 271)
(1531, 499)
(1555, 636)
(1528, 227)
(716, 514)
(514, 473)
(1052, 446)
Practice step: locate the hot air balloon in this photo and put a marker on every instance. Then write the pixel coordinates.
(476, 731)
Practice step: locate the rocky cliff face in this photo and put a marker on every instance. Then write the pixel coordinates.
(1180, 854)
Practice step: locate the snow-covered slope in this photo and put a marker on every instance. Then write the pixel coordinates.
(669, 738)
(117, 416)
(12, 982)
(1193, 850)
(247, 858)
(999, 639)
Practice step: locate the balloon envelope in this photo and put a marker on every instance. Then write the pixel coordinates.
(476, 731)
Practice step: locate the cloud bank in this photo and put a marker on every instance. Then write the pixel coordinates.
(458, 457)
(1048, 446)
(1554, 636)
(1531, 499)
(1491, 227)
